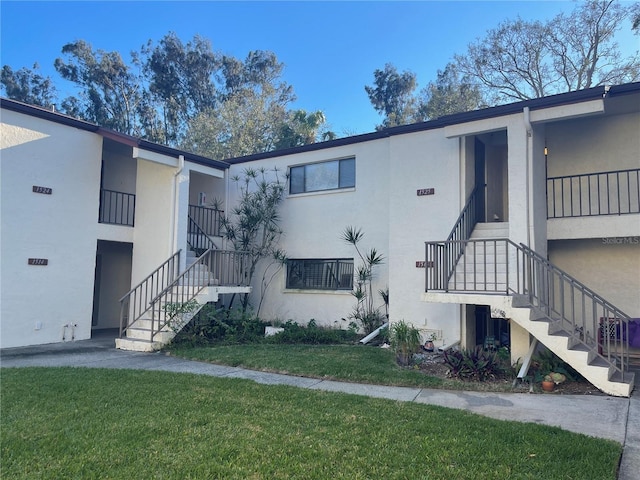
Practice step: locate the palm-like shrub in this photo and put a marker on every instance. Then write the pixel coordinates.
(366, 314)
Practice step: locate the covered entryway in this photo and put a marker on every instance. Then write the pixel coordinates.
(491, 333)
(490, 160)
(112, 281)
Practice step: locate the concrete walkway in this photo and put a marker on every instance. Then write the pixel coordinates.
(600, 416)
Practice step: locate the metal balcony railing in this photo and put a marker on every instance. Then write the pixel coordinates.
(207, 219)
(604, 193)
(197, 239)
(117, 208)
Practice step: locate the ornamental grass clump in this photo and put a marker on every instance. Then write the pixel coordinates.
(405, 341)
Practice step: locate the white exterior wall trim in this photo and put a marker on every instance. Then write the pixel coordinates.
(563, 112)
(140, 154)
(211, 171)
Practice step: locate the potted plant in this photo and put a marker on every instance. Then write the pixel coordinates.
(429, 345)
(552, 379)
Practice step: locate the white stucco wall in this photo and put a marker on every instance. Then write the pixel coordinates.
(395, 221)
(153, 232)
(37, 301)
(421, 161)
(593, 144)
(213, 187)
(313, 224)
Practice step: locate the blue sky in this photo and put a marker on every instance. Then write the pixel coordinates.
(330, 49)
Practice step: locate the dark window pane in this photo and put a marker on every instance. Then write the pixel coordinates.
(296, 184)
(320, 274)
(348, 173)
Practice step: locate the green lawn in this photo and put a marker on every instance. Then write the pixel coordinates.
(336, 362)
(71, 423)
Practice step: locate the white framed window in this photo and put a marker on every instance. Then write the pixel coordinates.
(330, 175)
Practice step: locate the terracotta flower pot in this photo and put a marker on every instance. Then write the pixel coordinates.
(548, 386)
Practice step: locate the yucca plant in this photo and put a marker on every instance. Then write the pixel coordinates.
(405, 341)
(365, 312)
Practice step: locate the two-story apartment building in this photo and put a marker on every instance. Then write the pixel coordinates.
(90, 216)
(497, 227)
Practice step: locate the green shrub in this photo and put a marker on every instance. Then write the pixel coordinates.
(473, 364)
(545, 362)
(221, 325)
(405, 341)
(312, 334)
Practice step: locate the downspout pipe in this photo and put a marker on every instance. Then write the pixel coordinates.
(527, 124)
(175, 198)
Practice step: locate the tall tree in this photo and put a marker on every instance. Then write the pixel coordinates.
(251, 111)
(242, 125)
(519, 59)
(392, 95)
(584, 49)
(28, 86)
(181, 81)
(111, 91)
(301, 128)
(177, 94)
(448, 94)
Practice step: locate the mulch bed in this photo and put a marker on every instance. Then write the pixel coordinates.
(432, 364)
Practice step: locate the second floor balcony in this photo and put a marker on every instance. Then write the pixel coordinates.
(117, 208)
(614, 192)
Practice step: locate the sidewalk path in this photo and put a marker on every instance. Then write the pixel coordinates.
(600, 416)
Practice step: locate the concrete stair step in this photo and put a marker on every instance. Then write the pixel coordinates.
(137, 345)
(491, 230)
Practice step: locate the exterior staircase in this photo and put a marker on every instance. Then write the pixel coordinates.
(154, 311)
(483, 264)
(479, 265)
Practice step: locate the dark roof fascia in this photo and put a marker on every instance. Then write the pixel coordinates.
(45, 114)
(366, 137)
(122, 138)
(190, 157)
(158, 148)
(458, 118)
(624, 89)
